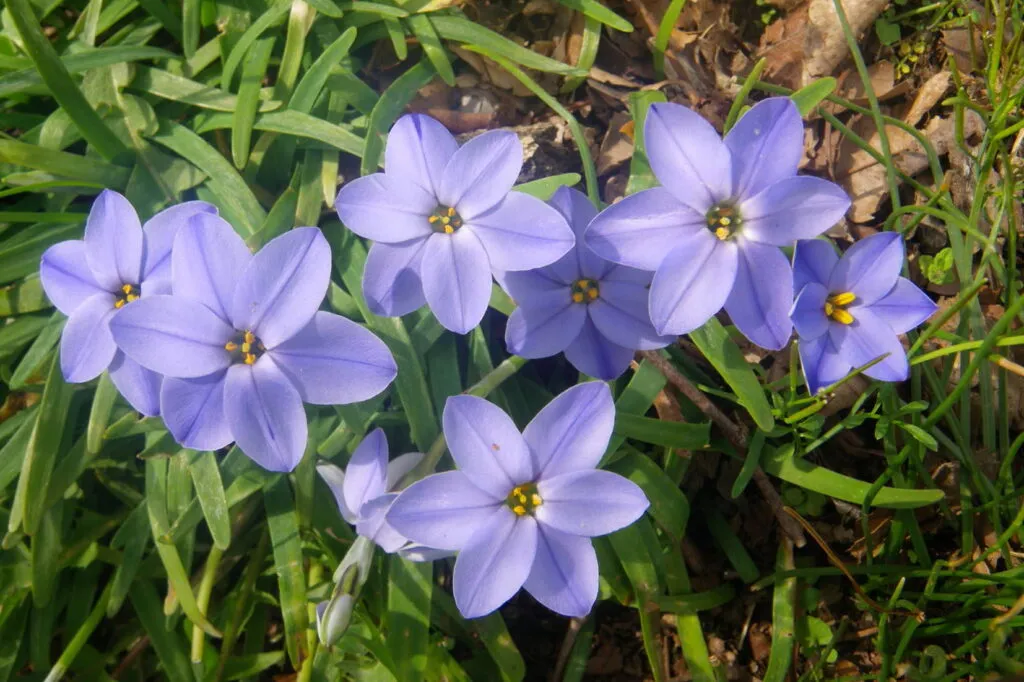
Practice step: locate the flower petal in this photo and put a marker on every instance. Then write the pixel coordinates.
(572, 432)
(869, 268)
(207, 262)
(577, 210)
(760, 299)
(495, 563)
(522, 233)
(193, 410)
(692, 283)
(589, 503)
(441, 510)
(621, 314)
(481, 173)
(86, 347)
(139, 386)
(687, 156)
(334, 477)
(418, 150)
(486, 445)
(334, 361)
(456, 278)
(545, 327)
(800, 207)
(527, 285)
(822, 363)
(373, 525)
(642, 228)
(173, 336)
(866, 339)
(904, 307)
(400, 466)
(391, 278)
(594, 355)
(159, 233)
(265, 415)
(66, 277)
(283, 285)
(384, 209)
(813, 261)
(765, 145)
(564, 576)
(808, 312)
(113, 241)
(367, 471)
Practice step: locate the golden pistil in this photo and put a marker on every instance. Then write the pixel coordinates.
(723, 220)
(584, 290)
(445, 219)
(835, 307)
(248, 347)
(524, 499)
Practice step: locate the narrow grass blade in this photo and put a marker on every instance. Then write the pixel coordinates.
(291, 579)
(409, 594)
(253, 71)
(210, 490)
(168, 644)
(71, 166)
(780, 657)
(171, 86)
(463, 30)
(422, 27)
(724, 355)
(298, 124)
(389, 107)
(683, 436)
(315, 78)
(669, 506)
(273, 16)
(597, 10)
(133, 539)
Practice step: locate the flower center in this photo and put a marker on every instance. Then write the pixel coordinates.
(524, 499)
(445, 219)
(835, 307)
(723, 220)
(127, 294)
(584, 291)
(245, 347)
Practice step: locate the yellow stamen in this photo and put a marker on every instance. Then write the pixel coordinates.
(126, 288)
(577, 297)
(451, 211)
(592, 294)
(829, 309)
(433, 219)
(250, 359)
(535, 500)
(519, 510)
(231, 346)
(131, 297)
(448, 229)
(118, 303)
(517, 491)
(841, 316)
(249, 337)
(722, 233)
(445, 220)
(845, 298)
(724, 220)
(246, 347)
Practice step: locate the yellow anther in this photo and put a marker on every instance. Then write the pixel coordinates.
(845, 298)
(829, 309)
(131, 297)
(119, 303)
(451, 211)
(231, 346)
(519, 510)
(592, 294)
(577, 297)
(724, 220)
(249, 337)
(126, 288)
(445, 220)
(448, 229)
(517, 491)
(722, 232)
(841, 316)
(433, 219)
(250, 358)
(522, 498)
(535, 500)
(246, 347)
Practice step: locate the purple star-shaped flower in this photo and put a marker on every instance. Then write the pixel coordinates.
(711, 232)
(242, 344)
(590, 308)
(362, 490)
(443, 218)
(521, 508)
(850, 310)
(90, 280)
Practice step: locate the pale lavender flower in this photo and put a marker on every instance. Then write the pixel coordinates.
(711, 232)
(850, 310)
(443, 218)
(521, 508)
(90, 280)
(242, 344)
(590, 308)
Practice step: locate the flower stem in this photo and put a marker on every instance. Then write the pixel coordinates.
(202, 601)
(67, 657)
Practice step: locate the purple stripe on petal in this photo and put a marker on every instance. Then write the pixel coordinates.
(687, 156)
(522, 233)
(589, 503)
(283, 285)
(86, 347)
(813, 261)
(265, 414)
(495, 563)
(564, 576)
(692, 283)
(418, 150)
(801, 207)
(808, 311)
(113, 241)
(66, 277)
(139, 386)
(442, 510)
(334, 361)
(208, 260)
(545, 327)
(643, 228)
(173, 336)
(366, 473)
(193, 410)
(456, 277)
(391, 278)
(870, 267)
(481, 173)
(762, 296)
(594, 355)
(384, 209)
(572, 432)
(486, 445)
(868, 338)
(159, 233)
(621, 314)
(905, 307)
(821, 362)
(766, 145)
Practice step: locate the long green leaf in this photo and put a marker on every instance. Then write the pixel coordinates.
(387, 110)
(71, 166)
(669, 505)
(409, 594)
(298, 124)
(210, 491)
(660, 432)
(315, 78)
(291, 579)
(253, 71)
(463, 30)
(167, 85)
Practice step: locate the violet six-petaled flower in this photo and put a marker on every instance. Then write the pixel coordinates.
(521, 508)
(443, 219)
(850, 310)
(242, 344)
(711, 233)
(92, 279)
(590, 308)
